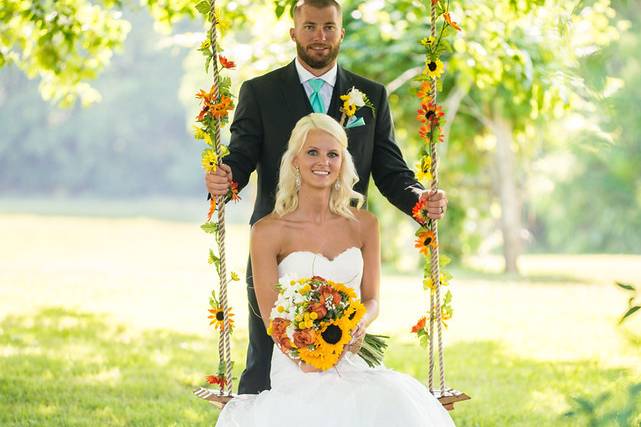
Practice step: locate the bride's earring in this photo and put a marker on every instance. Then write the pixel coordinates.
(297, 182)
(337, 185)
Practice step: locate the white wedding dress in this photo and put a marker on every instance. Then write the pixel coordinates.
(350, 395)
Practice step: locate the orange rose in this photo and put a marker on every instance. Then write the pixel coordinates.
(304, 337)
(319, 309)
(285, 343)
(279, 325)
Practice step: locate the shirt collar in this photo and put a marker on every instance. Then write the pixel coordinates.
(329, 77)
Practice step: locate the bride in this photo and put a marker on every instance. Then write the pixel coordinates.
(314, 231)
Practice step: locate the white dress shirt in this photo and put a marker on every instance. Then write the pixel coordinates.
(326, 91)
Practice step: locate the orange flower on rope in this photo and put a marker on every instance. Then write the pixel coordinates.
(232, 193)
(419, 211)
(222, 108)
(453, 24)
(420, 325)
(212, 208)
(206, 97)
(425, 91)
(218, 318)
(430, 113)
(425, 241)
(226, 63)
(216, 379)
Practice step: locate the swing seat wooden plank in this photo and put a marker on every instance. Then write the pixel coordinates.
(449, 397)
(213, 397)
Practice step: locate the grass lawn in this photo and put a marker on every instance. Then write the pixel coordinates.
(103, 322)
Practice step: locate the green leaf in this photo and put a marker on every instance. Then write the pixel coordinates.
(448, 298)
(629, 313)
(423, 341)
(626, 286)
(213, 259)
(210, 227)
(445, 260)
(203, 7)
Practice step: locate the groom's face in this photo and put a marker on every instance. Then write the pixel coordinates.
(318, 34)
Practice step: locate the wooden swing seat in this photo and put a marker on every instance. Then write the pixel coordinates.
(447, 398)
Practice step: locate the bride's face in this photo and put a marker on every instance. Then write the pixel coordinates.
(319, 160)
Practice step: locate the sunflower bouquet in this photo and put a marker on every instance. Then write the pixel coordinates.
(312, 321)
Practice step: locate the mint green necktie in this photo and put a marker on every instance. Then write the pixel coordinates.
(315, 98)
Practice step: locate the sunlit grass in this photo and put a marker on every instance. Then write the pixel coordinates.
(129, 337)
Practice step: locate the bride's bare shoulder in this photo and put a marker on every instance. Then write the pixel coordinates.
(366, 220)
(267, 226)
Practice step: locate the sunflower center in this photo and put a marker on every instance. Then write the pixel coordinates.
(429, 114)
(427, 241)
(220, 316)
(332, 334)
(432, 66)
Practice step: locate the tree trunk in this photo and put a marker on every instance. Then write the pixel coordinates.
(510, 205)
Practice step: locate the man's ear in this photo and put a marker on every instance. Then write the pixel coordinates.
(291, 34)
(342, 33)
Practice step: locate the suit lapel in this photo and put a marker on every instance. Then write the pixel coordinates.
(343, 84)
(294, 93)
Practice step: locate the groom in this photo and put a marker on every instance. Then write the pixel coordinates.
(268, 108)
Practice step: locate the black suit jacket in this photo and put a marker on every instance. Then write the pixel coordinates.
(268, 109)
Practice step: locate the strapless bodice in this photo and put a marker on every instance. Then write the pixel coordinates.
(346, 267)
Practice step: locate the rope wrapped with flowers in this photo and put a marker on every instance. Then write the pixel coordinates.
(430, 116)
(215, 106)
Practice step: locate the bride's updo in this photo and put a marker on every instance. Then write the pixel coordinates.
(339, 199)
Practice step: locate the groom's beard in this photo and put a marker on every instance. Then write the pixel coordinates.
(320, 62)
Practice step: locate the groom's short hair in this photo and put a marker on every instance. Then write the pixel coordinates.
(319, 4)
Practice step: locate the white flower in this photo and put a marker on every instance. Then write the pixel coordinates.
(356, 97)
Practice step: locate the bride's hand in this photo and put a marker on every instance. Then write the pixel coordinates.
(358, 335)
(307, 368)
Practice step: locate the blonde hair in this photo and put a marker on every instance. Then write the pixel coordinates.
(339, 199)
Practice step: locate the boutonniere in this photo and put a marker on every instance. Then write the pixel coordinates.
(352, 102)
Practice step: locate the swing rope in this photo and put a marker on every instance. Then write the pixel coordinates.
(224, 344)
(435, 297)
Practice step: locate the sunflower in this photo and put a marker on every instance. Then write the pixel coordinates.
(209, 160)
(348, 108)
(430, 113)
(428, 283)
(218, 318)
(342, 288)
(329, 344)
(423, 171)
(199, 133)
(355, 313)
(425, 241)
(433, 68)
(428, 42)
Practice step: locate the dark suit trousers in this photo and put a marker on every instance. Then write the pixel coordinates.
(255, 377)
